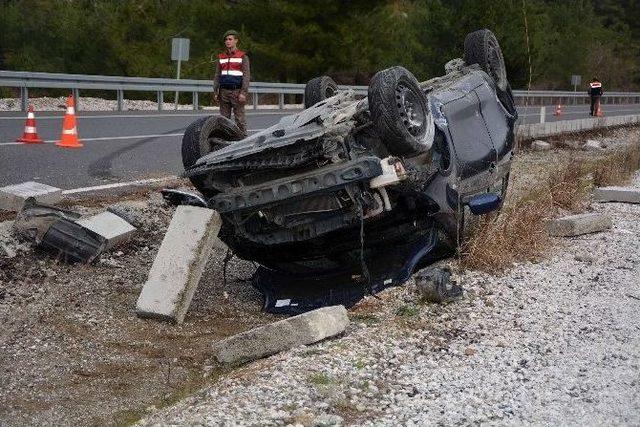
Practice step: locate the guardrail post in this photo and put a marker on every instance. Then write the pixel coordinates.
(195, 100)
(254, 98)
(120, 96)
(543, 114)
(24, 98)
(76, 97)
(281, 101)
(160, 99)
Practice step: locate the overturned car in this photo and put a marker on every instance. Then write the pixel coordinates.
(351, 195)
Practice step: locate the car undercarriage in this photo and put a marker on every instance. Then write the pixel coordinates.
(352, 195)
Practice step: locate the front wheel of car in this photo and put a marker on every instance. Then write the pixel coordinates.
(204, 136)
(400, 112)
(319, 89)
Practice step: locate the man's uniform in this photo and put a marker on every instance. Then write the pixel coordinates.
(595, 92)
(232, 78)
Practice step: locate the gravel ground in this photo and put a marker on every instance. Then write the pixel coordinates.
(549, 343)
(557, 342)
(73, 352)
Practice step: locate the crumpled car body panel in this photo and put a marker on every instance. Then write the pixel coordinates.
(319, 195)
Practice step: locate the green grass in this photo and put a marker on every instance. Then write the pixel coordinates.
(407, 311)
(320, 379)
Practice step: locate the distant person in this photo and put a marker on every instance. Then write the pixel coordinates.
(231, 80)
(595, 92)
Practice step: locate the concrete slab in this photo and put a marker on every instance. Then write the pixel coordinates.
(575, 225)
(113, 228)
(12, 197)
(264, 341)
(179, 264)
(617, 194)
(539, 145)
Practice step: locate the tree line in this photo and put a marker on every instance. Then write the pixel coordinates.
(292, 41)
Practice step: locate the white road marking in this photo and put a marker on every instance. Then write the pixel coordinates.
(109, 138)
(117, 185)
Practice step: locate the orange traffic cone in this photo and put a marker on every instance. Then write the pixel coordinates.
(69, 137)
(558, 110)
(30, 135)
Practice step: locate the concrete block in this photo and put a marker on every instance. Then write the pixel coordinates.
(179, 264)
(617, 194)
(12, 197)
(304, 329)
(113, 228)
(539, 145)
(575, 225)
(592, 145)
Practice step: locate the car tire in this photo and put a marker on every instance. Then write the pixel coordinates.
(400, 112)
(481, 47)
(319, 89)
(204, 136)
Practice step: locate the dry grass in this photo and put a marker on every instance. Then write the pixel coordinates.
(568, 185)
(617, 168)
(519, 232)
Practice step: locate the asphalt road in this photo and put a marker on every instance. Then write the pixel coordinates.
(135, 145)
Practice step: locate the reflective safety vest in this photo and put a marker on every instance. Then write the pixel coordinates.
(231, 69)
(595, 89)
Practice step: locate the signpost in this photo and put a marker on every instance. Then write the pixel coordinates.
(575, 81)
(179, 52)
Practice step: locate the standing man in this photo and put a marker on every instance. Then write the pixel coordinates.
(595, 92)
(231, 80)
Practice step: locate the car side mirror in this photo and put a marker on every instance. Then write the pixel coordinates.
(484, 203)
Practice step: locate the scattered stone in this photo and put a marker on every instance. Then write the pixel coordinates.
(570, 144)
(469, 351)
(132, 211)
(177, 268)
(12, 197)
(435, 285)
(585, 258)
(113, 228)
(592, 145)
(303, 329)
(575, 225)
(539, 145)
(617, 194)
(327, 420)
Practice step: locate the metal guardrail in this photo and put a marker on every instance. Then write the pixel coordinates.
(76, 82)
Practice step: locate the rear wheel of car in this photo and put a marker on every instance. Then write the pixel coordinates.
(400, 112)
(319, 89)
(481, 47)
(204, 136)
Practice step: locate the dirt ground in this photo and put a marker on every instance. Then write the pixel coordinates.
(72, 350)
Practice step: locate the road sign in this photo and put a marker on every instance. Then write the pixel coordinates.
(576, 79)
(179, 49)
(179, 52)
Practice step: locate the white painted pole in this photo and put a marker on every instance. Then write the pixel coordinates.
(543, 114)
(175, 100)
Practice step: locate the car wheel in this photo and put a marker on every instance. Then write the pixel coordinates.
(400, 112)
(319, 89)
(204, 136)
(481, 47)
